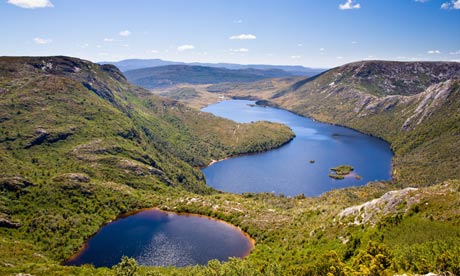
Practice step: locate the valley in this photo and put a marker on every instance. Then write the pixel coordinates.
(64, 176)
(230, 138)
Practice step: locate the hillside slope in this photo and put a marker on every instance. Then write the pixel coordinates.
(164, 76)
(79, 145)
(414, 106)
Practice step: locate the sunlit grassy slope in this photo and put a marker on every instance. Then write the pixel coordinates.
(79, 146)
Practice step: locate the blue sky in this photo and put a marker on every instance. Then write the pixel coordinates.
(315, 33)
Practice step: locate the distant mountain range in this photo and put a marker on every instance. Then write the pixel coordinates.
(132, 64)
(170, 75)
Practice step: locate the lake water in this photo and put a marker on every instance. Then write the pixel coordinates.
(156, 238)
(288, 170)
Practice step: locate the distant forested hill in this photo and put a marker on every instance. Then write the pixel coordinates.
(164, 76)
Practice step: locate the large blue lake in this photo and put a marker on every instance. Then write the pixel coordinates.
(288, 170)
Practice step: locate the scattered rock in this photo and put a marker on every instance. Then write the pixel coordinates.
(138, 168)
(6, 222)
(9, 224)
(75, 181)
(77, 177)
(42, 136)
(14, 183)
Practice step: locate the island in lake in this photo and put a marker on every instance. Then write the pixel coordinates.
(341, 171)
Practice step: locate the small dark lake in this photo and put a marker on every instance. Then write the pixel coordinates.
(288, 170)
(156, 238)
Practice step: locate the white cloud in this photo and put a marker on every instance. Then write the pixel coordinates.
(185, 48)
(152, 51)
(452, 5)
(422, 1)
(240, 50)
(295, 57)
(31, 4)
(349, 5)
(238, 21)
(42, 41)
(109, 40)
(125, 33)
(243, 37)
(339, 57)
(354, 42)
(299, 45)
(431, 52)
(322, 49)
(455, 53)
(445, 6)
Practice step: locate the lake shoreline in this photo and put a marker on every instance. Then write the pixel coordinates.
(246, 154)
(276, 106)
(331, 144)
(134, 212)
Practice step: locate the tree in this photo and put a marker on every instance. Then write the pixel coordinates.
(126, 267)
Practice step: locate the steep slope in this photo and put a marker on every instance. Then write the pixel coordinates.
(414, 106)
(79, 145)
(52, 99)
(164, 76)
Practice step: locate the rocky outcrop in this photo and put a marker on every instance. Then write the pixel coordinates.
(6, 222)
(14, 183)
(9, 224)
(394, 78)
(75, 177)
(428, 102)
(44, 136)
(138, 168)
(369, 212)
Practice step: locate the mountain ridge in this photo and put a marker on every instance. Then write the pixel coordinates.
(170, 75)
(407, 115)
(132, 64)
(79, 147)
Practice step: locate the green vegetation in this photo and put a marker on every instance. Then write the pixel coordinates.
(169, 75)
(184, 93)
(341, 171)
(336, 176)
(212, 93)
(419, 117)
(80, 146)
